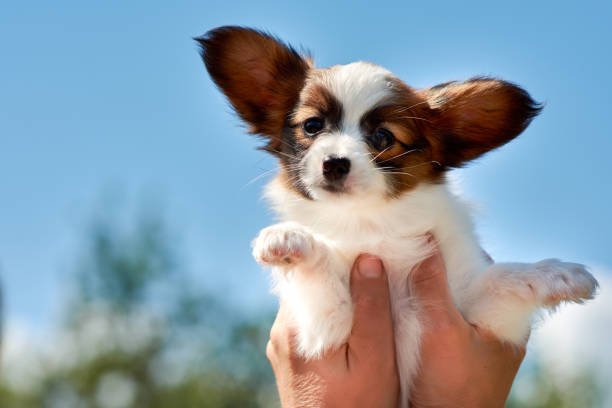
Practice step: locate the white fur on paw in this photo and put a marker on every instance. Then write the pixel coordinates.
(283, 245)
(557, 281)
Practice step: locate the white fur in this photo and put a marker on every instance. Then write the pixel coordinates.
(359, 86)
(314, 248)
(500, 297)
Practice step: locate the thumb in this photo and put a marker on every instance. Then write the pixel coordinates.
(372, 334)
(429, 284)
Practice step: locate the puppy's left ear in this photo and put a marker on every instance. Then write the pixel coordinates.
(468, 119)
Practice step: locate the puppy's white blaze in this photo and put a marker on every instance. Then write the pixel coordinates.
(359, 86)
(363, 177)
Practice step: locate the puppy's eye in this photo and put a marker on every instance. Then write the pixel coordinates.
(381, 139)
(313, 126)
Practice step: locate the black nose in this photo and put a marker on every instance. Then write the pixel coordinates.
(335, 169)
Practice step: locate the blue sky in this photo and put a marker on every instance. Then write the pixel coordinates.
(112, 97)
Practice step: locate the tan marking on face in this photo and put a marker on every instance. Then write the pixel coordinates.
(316, 101)
(408, 161)
(302, 137)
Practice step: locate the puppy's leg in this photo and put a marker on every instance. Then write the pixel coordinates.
(408, 330)
(312, 279)
(505, 297)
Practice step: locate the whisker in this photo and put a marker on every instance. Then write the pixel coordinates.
(378, 155)
(404, 109)
(414, 117)
(265, 173)
(399, 155)
(283, 153)
(286, 143)
(420, 164)
(400, 172)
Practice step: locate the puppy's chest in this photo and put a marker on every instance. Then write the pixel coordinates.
(399, 251)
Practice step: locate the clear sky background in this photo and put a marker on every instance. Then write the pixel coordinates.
(102, 99)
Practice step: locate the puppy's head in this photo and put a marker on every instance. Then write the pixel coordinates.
(357, 129)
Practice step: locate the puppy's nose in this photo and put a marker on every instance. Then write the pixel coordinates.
(335, 169)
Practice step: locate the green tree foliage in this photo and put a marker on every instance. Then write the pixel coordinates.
(537, 388)
(139, 333)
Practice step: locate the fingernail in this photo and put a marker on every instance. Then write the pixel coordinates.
(370, 267)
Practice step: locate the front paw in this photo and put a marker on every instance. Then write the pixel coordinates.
(283, 244)
(563, 281)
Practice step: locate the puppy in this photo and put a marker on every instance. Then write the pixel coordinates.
(363, 159)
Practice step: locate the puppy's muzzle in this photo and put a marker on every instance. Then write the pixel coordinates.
(335, 170)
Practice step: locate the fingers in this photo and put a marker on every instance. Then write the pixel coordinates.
(511, 354)
(282, 337)
(372, 333)
(371, 337)
(429, 284)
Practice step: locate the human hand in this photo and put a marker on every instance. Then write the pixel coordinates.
(462, 365)
(361, 373)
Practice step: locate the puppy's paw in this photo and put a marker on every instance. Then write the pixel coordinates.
(283, 244)
(557, 281)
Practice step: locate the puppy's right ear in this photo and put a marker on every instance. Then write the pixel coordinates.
(261, 76)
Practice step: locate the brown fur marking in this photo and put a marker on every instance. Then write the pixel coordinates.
(471, 118)
(261, 76)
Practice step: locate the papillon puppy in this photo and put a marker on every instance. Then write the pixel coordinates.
(363, 159)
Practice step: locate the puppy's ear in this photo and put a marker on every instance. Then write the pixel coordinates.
(470, 118)
(261, 76)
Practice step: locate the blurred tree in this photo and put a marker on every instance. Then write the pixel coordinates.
(538, 387)
(138, 333)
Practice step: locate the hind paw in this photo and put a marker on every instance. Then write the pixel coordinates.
(555, 281)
